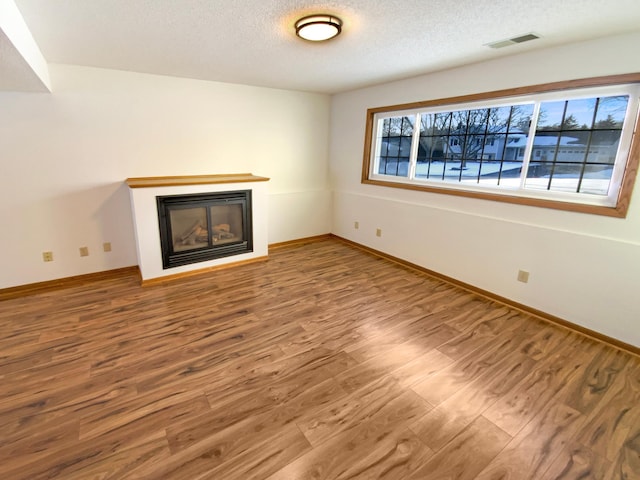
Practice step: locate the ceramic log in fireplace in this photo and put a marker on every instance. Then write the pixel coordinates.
(200, 227)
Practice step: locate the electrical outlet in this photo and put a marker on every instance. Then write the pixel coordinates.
(356, 225)
(84, 251)
(378, 232)
(523, 276)
(47, 256)
(106, 246)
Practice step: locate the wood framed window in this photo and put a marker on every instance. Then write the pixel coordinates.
(566, 145)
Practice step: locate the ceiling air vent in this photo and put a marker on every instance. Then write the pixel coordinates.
(512, 41)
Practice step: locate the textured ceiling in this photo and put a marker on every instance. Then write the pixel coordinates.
(253, 41)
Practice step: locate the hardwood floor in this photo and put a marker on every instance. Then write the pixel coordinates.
(323, 363)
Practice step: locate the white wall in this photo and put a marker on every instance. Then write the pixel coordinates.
(584, 268)
(64, 157)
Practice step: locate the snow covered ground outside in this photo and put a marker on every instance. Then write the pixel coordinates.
(486, 173)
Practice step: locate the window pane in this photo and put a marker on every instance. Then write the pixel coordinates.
(514, 149)
(386, 126)
(520, 118)
(569, 177)
(573, 146)
(489, 173)
(427, 125)
(586, 135)
(538, 175)
(394, 166)
(441, 123)
(459, 122)
(565, 177)
(484, 146)
(551, 114)
(478, 121)
(451, 147)
(611, 112)
(394, 146)
(475, 149)
(579, 114)
(467, 171)
(499, 119)
(423, 168)
(604, 146)
(596, 179)
(509, 175)
(495, 147)
(545, 146)
(430, 147)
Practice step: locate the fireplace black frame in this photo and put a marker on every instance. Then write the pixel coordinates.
(172, 258)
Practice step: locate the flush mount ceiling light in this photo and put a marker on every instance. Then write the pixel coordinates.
(318, 28)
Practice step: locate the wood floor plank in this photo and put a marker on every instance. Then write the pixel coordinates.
(611, 422)
(28, 383)
(627, 462)
(79, 458)
(393, 457)
(23, 447)
(377, 367)
(422, 334)
(195, 456)
(77, 396)
(334, 338)
(345, 457)
(551, 377)
(442, 385)
(542, 439)
(263, 460)
(124, 462)
(319, 363)
(452, 416)
(542, 340)
(421, 368)
(349, 412)
(144, 413)
(179, 367)
(596, 379)
(474, 338)
(289, 374)
(577, 462)
(482, 440)
(225, 414)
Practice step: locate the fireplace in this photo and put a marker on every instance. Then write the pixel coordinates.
(200, 227)
(186, 225)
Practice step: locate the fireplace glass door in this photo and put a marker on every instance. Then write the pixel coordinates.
(196, 228)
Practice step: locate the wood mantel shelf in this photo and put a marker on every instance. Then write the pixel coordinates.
(146, 182)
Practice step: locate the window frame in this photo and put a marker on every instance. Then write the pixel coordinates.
(626, 173)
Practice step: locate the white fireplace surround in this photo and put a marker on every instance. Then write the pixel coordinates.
(143, 193)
